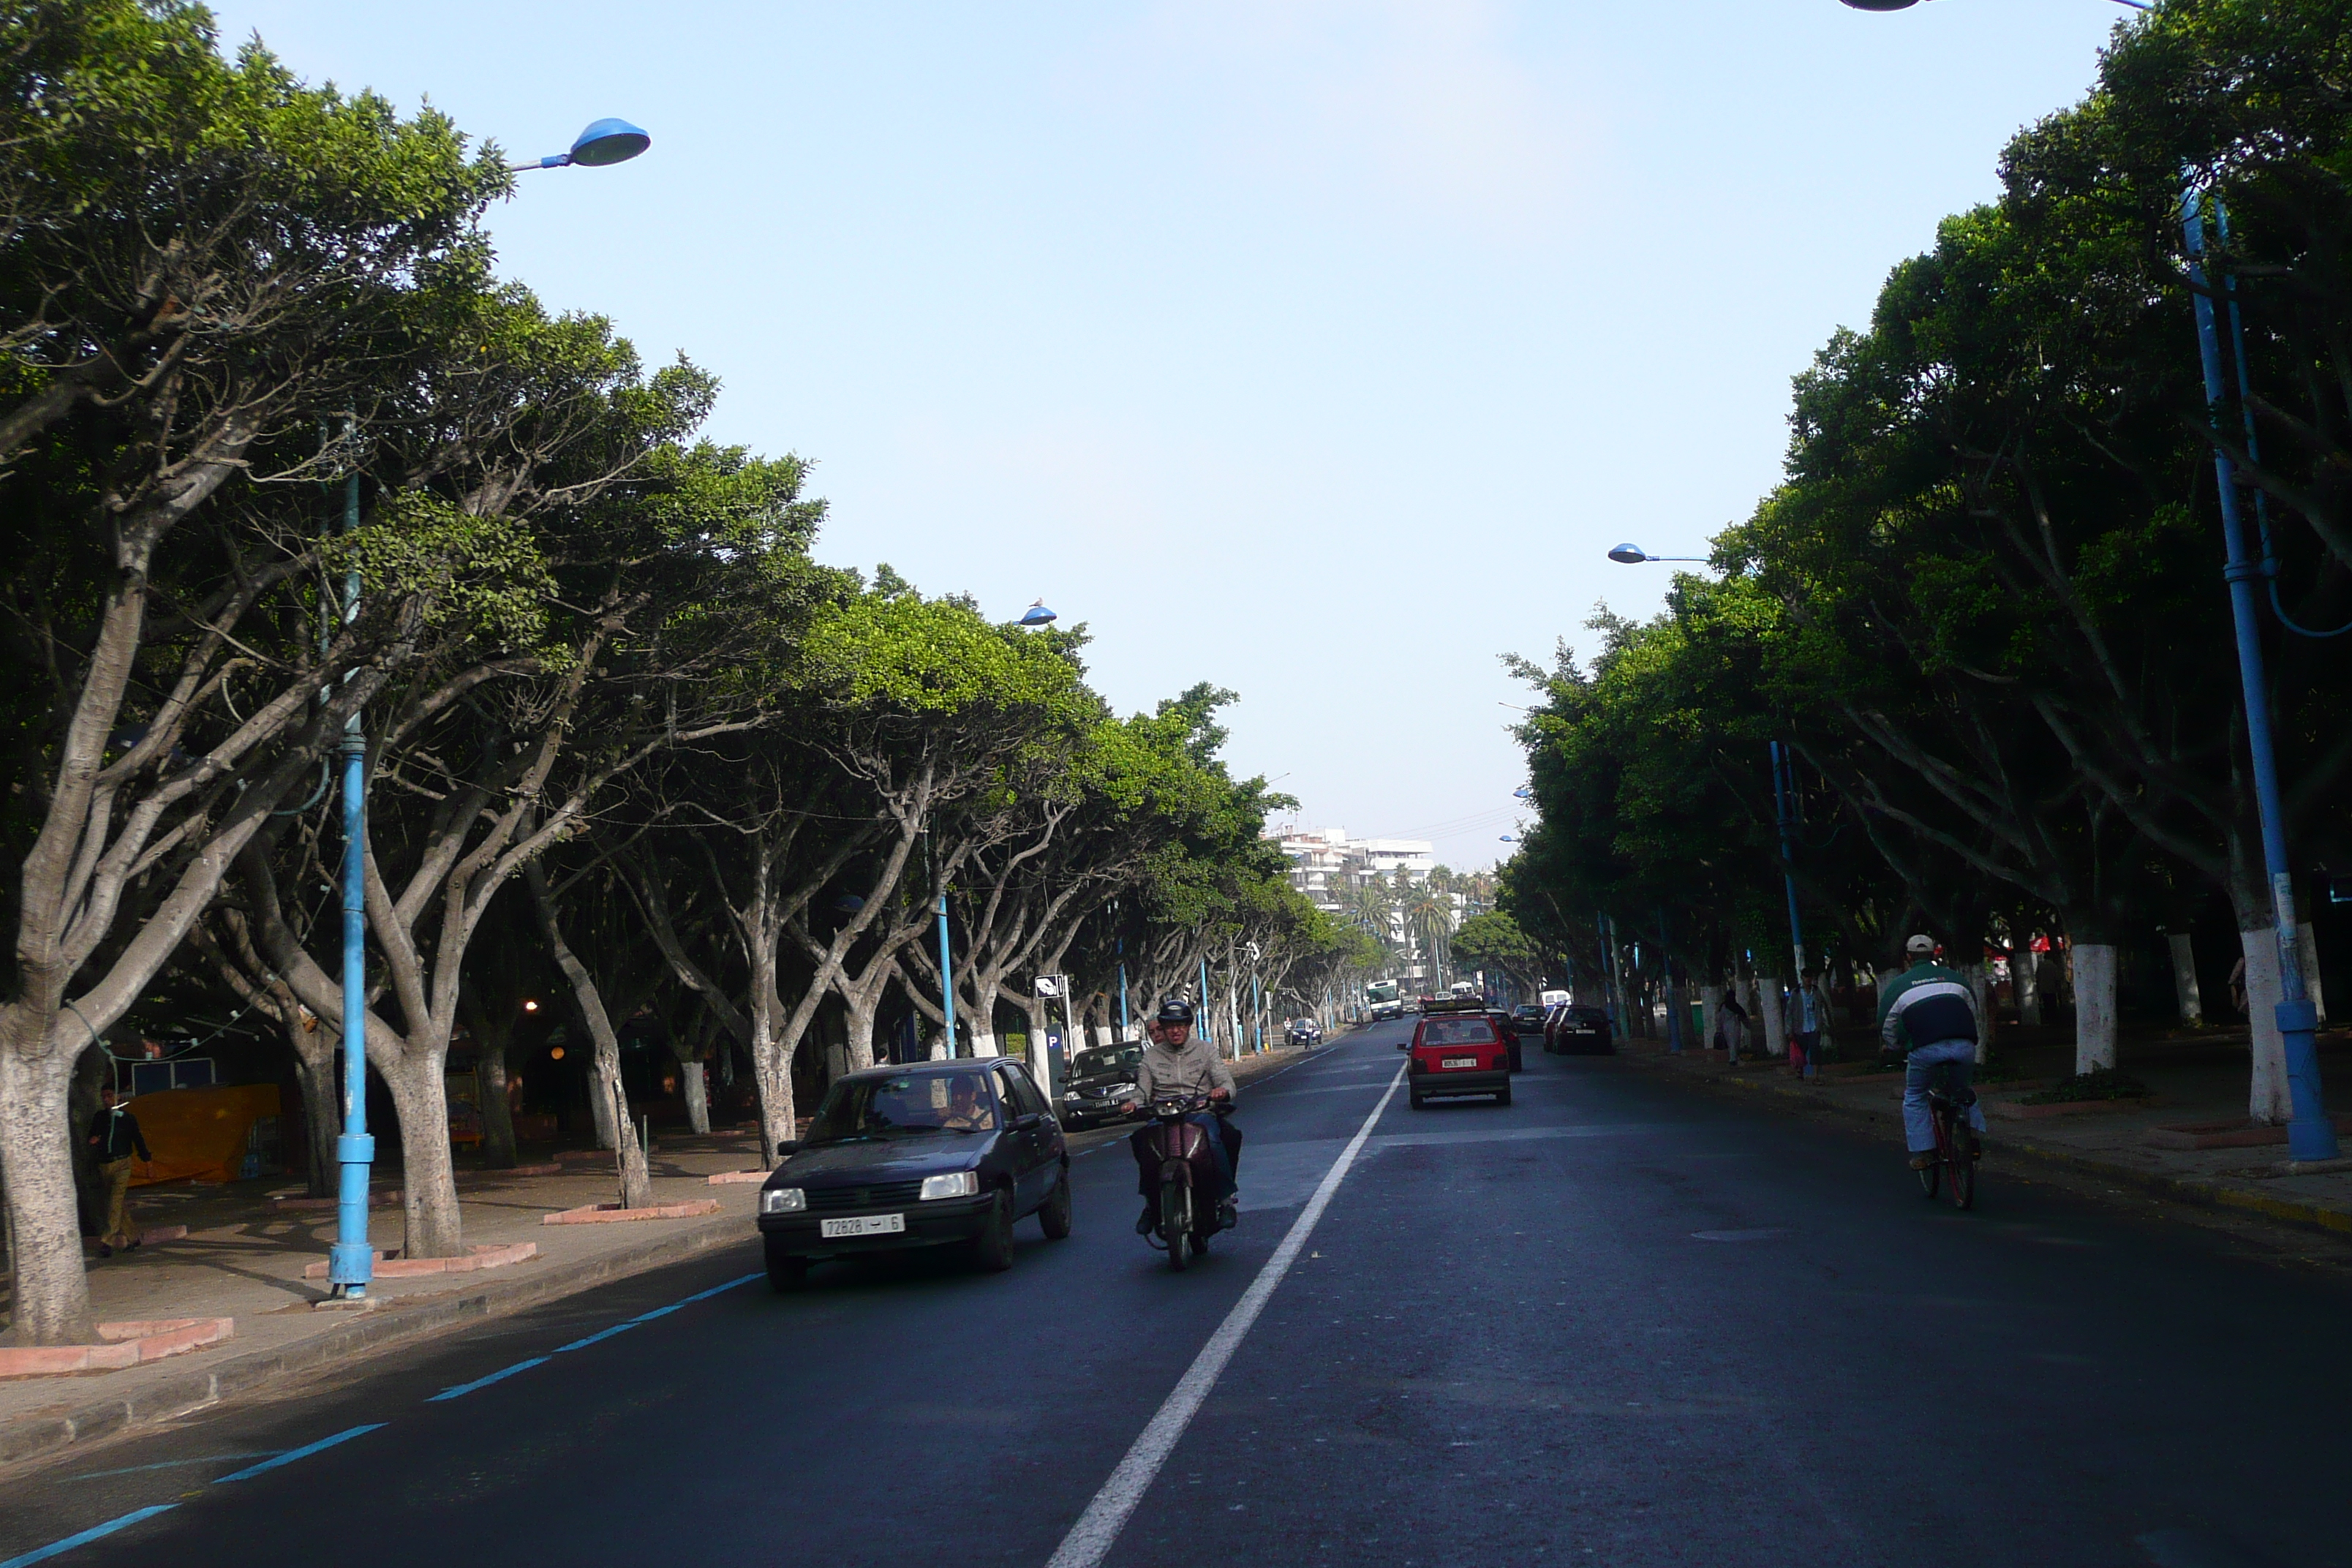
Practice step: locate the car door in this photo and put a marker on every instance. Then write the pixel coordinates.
(1028, 1134)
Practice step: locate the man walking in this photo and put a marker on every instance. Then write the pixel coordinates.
(115, 1139)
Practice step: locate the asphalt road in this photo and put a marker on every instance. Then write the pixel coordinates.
(1614, 1322)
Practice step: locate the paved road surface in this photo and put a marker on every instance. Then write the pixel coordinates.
(1615, 1322)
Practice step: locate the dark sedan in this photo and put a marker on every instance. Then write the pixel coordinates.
(1508, 1027)
(934, 1154)
(1101, 1081)
(1578, 1028)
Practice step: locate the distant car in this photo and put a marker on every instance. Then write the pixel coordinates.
(1457, 1053)
(1508, 1027)
(1529, 1018)
(1101, 1081)
(1304, 1032)
(932, 1154)
(1574, 1028)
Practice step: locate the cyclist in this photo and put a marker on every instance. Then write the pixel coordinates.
(1927, 1017)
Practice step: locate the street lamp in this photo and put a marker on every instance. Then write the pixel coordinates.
(1634, 555)
(1037, 615)
(351, 1260)
(604, 143)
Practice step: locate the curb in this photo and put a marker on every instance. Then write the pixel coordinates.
(2202, 1190)
(232, 1374)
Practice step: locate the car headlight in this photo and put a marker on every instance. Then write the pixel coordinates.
(962, 1184)
(1119, 1091)
(782, 1200)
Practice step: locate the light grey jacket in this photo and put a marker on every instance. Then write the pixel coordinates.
(1193, 1067)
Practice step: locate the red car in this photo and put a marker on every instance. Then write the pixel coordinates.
(1457, 1053)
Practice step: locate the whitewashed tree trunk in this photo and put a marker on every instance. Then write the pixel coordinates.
(2094, 1006)
(2022, 963)
(428, 1177)
(1776, 1021)
(2308, 945)
(2184, 977)
(697, 1096)
(600, 1106)
(1710, 1004)
(1980, 979)
(2267, 1099)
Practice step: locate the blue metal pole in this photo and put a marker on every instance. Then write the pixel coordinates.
(1258, 1024)
(351, 1261)
(947, 977)
(1780, 765)
(2310, 1134)
(1122, 988)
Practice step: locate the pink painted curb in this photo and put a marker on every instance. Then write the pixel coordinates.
(599, 1213)
(489, 1255)
(155, 1233)
(125, 1344)
(728, 1178)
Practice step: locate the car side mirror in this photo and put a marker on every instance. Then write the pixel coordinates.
(1028, 1122)
(1405, 1045)
(789, 1147)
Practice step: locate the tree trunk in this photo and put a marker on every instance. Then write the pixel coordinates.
(1775, 1016)
(52, 1290)
(428, 1178)
(498, 1115)
(322, 1104)
(600, 1106)
(2094, 1005)
(1980, 981)
(697, 1096)
(2023, 963)
(2266, 1097)
(1710, 1007)
(604, 1088)
(2184, 978)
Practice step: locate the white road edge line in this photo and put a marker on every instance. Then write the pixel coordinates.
(1091, 1538)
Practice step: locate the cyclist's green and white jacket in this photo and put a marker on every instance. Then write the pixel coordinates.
(1926, 1005)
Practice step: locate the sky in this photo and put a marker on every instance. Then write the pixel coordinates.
(1318, 349)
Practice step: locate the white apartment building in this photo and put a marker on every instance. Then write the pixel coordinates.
(1324, 861)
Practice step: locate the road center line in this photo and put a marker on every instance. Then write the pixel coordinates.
(1098, 1528)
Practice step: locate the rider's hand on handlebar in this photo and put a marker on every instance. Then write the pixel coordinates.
(1221, 1094)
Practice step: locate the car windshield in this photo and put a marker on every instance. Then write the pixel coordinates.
(1108, 1059)
(1458, 1032)
(889, 1106)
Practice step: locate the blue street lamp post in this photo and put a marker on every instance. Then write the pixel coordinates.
(351, 1259)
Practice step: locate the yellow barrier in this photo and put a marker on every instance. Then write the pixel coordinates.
(199, 1133)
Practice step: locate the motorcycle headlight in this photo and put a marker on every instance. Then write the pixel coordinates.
(961, 1184)
(782, 1200)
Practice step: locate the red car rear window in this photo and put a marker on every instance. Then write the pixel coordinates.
(1458, 1032)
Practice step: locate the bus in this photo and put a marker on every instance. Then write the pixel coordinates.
(1384, 999)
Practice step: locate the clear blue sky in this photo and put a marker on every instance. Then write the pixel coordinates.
(1318, 350)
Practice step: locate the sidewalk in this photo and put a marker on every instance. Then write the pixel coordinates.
(244, 1258)
(2188, 1140)
(245, 1251)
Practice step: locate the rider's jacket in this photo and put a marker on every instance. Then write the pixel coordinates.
(1925, 1006)
(1193, 1067)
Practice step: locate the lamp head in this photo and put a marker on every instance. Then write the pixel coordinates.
(1882, 5)
(1629, 555)
(1037, 615)
(608, 141)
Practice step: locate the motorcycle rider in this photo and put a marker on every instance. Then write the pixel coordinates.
(1175, 1063)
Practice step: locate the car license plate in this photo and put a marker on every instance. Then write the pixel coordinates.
(863, 1225)
(1457, 1061)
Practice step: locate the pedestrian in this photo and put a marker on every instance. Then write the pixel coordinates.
(114, 1139)
(1804, 1023)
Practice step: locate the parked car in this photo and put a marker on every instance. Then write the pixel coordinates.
(1529, 1018)
(1101, 1081)
(1304, 1032)
(1507, 1026)
(1457, 1053)
(1576, 1028)
(932, 1154)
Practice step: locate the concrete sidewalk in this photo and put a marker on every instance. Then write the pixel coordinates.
(2188, 1140)
(244, 1256)
(248, 1249)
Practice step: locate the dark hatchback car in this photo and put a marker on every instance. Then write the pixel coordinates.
(1507, 1026)
(1574, 1028)
(934, 1154)
(1101, 1080)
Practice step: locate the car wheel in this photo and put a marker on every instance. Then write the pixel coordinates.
(1418, 1103)
(786, 1273)
(1504, 1098)
(992, 1248)
(1055, 1213)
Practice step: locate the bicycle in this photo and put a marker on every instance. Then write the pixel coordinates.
(1957, 1149)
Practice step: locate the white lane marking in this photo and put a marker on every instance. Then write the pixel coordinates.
(1098, 1528)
